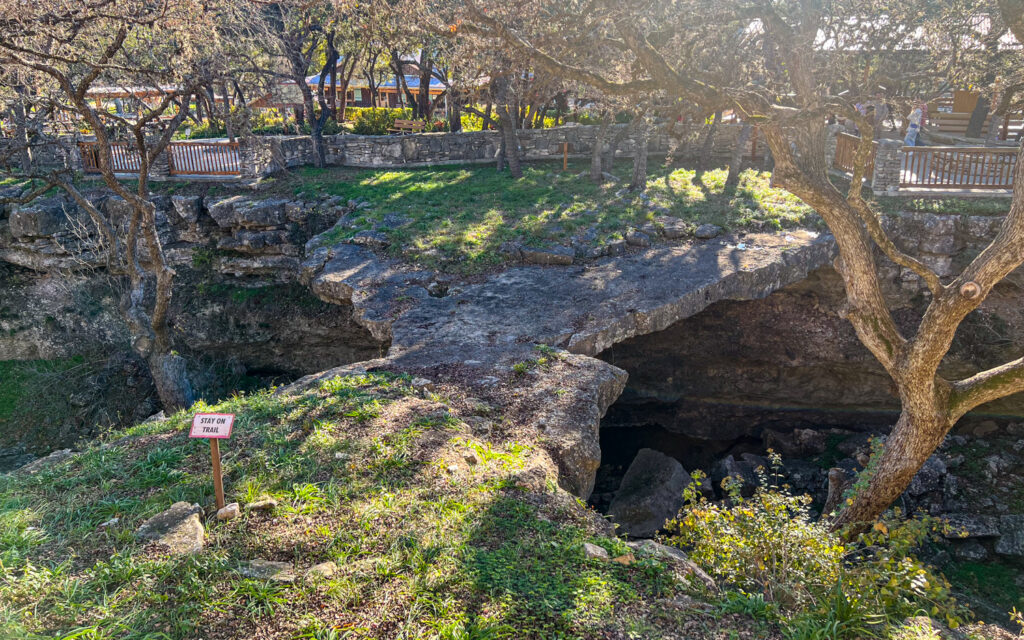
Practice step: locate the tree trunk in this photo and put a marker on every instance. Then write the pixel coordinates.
(639, 181)
(736, 162)
(510, 140)
(596, 154)
(977, 121)
(20, 117)
(910, 444)
(454, 114)
(704, 161)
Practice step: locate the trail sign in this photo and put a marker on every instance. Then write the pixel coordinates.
(214, 427)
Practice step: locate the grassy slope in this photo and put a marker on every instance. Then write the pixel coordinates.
(370, 474)
(462, 215)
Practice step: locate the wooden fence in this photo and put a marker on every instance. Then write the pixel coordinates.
(123, 157)
(958, 167)
(204, 158)
(846, 154)
(183, 158)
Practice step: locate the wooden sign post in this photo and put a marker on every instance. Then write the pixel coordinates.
(214, 427)
(565, 156)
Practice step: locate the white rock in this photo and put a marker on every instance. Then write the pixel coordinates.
(594, 551)
(229, 512)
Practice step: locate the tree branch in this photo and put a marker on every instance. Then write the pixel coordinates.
(987, 386)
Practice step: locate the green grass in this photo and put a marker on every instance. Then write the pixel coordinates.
(460, 216)
(370, 474)
(993, 583)
(26, 390)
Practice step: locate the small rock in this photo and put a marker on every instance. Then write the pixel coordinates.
(341, 455)
(268, 570)
(637, 238)
(675, 557)
(471, 458)
(178, 527)
(626, 559)
(594, 551)
(423, 384)
(109, 523)
(229, 512)
(453, 468)
(616, 247)
(673, 228)
(322, 570)
(708, 231)
(264, 503)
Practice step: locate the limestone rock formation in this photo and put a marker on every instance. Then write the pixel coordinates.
(177, 528)
(651, 493)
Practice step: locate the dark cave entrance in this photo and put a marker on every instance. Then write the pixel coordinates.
(717, 390)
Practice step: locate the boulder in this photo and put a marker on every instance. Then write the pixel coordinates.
(675, 557)
(651, 493)
(41, 219)
(178, 528)
(36, 466)
(673, 228)
(185, 209)
(708, 231)
(265, 503)
(1011, 539)
(969, 525)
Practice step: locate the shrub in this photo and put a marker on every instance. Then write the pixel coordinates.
(376, 121)
(816, 585)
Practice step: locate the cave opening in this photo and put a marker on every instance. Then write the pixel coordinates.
(718, 390)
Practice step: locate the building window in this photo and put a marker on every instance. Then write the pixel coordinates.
(358, 93)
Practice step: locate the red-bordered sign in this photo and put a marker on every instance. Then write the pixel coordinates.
(212, 425)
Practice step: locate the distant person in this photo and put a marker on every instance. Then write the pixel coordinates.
(916, 120)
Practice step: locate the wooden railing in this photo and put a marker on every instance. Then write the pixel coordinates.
(123, 157)
(846, 155)
(958, 167)
(204, 158)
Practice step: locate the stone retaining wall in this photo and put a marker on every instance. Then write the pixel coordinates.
(265, 155)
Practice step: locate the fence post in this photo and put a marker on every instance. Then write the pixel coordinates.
(888, 160)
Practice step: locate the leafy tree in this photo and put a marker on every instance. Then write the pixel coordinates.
(785, 66)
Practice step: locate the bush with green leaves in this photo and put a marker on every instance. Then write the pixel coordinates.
(812, 582)
(376, 121)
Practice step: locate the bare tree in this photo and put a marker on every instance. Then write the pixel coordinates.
(788, 65)
(164, 50)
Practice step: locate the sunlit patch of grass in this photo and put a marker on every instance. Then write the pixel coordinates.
(460, 216)
(425, 548)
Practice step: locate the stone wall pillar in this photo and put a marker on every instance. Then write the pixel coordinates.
(160, 169)
(888, 159)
